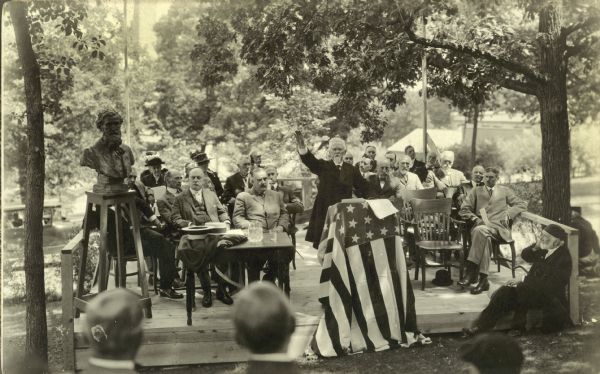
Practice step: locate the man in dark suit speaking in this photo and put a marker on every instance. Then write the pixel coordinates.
(336, 180)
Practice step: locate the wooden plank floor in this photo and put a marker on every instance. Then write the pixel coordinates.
(169, 341)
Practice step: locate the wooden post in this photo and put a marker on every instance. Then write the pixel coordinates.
(573, 243)
(66, 275)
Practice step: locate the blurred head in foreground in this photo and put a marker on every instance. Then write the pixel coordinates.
(492, 353)
(114, 324)
(263, 319)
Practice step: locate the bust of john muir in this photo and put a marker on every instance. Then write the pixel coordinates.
(111, 159)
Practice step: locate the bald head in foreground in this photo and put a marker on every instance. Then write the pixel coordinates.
(113, 327)
(264, 323)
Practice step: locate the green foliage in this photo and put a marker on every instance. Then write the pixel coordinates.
(531, 192)
(488, 155)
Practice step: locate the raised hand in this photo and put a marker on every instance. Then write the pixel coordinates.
(299, 139)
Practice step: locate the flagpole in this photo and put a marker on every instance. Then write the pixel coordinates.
(125, 72)
(424, 91)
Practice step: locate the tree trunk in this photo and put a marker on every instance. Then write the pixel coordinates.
(552, 96)
(36, 338)
(474, 137)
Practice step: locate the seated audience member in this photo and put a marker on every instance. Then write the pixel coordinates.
(264, 324)
(165, 203)
(404, 179)
(381, 186)
(492, 353)
(476, 181)
(113, 328)
(348, 158)
(202, 160)
(236, 183)
(16, 221)
(434, 173)
(155, 175)
(256, 160)
(452, 177)
(364, 167)
(589, 249)
(501, 206)
(293, 204)
(196, 206)
(259, 204)
(391, 157)
(416, 166)
(544, 287)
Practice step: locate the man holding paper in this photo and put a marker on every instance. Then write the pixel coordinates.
(490, 209)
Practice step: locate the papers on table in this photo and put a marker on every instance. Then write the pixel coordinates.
(382, 208)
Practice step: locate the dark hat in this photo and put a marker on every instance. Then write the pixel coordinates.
(154, 161)
(442, 278)
(493, 351)
(556, 231)
(199, 157)
(576, 209)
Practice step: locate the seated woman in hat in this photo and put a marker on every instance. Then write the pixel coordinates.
(154, 176)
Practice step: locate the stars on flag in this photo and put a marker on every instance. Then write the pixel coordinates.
(369, 235)
(365, 204)
(352, 223)
(397, 229)
(367, 219)
(355, 238)
(350, 208)
(341, 229)
(384, 231)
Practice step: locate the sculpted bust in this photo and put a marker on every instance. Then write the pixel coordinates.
(111, 159)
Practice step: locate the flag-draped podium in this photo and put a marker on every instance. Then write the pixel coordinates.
(365, 288)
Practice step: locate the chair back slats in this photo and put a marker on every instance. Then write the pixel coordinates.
(406, 213)
(432, 219)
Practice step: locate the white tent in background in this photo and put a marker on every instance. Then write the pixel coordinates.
(443, 138)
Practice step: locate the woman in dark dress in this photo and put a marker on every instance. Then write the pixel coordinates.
(336, 180)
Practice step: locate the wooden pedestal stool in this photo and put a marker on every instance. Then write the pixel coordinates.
(123, 203)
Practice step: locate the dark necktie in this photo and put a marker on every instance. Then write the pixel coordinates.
(490, 191)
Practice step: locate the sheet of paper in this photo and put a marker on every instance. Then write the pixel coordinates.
(382, 208)
(484, 216)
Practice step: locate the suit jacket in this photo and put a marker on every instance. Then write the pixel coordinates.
(454, 178)
(412, 183)
(381, 192)
(501, 205)
(149, 181)
(186, 209)
(550, 275)
(234, 184)
(334, 185)
(214, 178)
(420, 169)
(272, 367)
(271, 211)
(165, 207)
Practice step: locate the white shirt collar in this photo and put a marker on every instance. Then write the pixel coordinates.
(274, 186)
(112, 364)
(277, 357)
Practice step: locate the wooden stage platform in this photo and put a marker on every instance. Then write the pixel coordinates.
(169, 341)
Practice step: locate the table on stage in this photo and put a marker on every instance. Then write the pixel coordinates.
(279, 249)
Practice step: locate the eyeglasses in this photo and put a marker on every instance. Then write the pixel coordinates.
(261, 179)
(404, 163)
(446, 162)
(271, 174)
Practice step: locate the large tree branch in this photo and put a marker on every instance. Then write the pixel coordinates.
(511, 66)
(519, 86)
(590, 22)
(582, 46)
